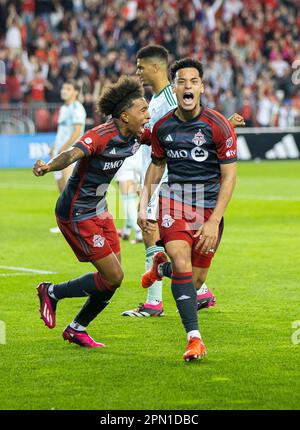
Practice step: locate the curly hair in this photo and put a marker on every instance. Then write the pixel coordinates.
(183, 64)
(118, 97)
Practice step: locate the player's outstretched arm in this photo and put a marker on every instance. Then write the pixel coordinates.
(60, 162)
(236, 120)
(153, 177)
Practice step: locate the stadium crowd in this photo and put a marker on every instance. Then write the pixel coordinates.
(247, 49)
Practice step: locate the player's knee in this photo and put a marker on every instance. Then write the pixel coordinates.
(116, 278)
(181, 262)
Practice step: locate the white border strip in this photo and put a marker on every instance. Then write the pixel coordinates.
(263, 130)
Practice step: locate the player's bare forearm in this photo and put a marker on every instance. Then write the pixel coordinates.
(153, 177)
(228, 181)
(60, 162)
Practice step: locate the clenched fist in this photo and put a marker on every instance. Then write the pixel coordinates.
(40, 168)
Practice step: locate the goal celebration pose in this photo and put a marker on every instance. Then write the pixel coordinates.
(81, 209)
(198, 145)
(152, 69)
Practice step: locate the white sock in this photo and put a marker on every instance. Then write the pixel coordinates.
(154, 293)
(50, 292)
(153, 302)
(74, 325)
(194, 333)
(202, 290)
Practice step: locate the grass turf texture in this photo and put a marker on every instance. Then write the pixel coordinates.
(251, 362)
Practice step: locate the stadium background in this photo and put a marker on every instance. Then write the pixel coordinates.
(248, 49)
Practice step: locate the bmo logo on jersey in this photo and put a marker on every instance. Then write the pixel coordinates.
(199, 154)
(113, 164)
(178, 153)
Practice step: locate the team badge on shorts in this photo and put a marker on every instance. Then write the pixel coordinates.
(167, 221)
(98, 241)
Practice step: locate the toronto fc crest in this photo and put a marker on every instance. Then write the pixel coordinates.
(199, 138)
(98, 241)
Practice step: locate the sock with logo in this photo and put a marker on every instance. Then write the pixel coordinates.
(75, 326)
(84, 286)
(154, 293)
(185, 296)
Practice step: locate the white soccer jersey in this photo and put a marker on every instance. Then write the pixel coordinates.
(69, 115)
(160, 104)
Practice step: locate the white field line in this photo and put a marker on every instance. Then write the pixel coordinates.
(25, 269)
(15, 274)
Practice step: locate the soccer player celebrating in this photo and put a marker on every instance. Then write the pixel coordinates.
(71, 122)
(152, 68)
(198, 145)
(81, 209)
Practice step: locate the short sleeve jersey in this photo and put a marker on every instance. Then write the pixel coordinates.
(194, 151)
(69, 115)
(105, 150)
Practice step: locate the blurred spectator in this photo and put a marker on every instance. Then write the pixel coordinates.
(228, 103)
(13, 86)
(37, 88)
(284, 114)
(247, 47)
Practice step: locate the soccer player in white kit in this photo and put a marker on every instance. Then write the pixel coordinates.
(71, 124)
(152, 68)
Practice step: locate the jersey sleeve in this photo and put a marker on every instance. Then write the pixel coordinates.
(225, 140)
(158, 151)
(78, 115)
(90, 143)
(146, 137)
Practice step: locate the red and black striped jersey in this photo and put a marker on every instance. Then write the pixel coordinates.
(105, 150)
(194, 150)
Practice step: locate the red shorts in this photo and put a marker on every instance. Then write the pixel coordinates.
(176, 223)
(93, 238)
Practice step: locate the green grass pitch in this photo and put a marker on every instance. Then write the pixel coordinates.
(252, 362)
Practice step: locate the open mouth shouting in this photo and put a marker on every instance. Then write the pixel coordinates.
(188, 98)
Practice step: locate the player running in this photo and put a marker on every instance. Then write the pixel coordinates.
(71, 123)
(152, 68)
(81, 210)
(198, 145)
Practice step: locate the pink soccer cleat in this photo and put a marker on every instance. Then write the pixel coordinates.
(205, 298)
(81, 338)
(47, 305)
(145, 310)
